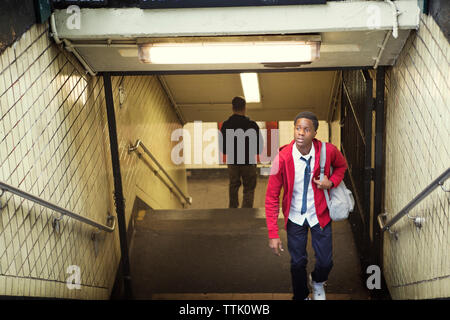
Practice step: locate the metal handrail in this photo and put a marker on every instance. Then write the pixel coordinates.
(23, 194)
(141, 144)
(439, 181)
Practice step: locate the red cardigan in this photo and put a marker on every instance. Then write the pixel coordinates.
(282, 176)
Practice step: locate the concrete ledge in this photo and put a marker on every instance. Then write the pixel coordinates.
(334, 16)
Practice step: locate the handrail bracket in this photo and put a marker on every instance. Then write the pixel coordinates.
(381, 222)
(418, 221)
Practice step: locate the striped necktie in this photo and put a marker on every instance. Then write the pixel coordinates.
(306, 183)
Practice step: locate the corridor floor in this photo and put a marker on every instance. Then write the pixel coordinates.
(214, 253)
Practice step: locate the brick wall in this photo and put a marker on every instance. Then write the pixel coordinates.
(417, 265)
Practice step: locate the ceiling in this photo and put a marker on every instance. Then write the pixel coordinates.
(207, 97)
(338, 49)
(106, 41)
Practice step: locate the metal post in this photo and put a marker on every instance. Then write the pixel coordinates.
(368, 172)
(379, 158)
(118, 192)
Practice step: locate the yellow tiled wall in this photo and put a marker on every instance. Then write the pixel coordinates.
(51, 145)
(54, 144)
(335, 128)
(417, 265)
(146, 115)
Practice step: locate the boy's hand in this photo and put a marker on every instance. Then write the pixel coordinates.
(275, 244)
(324, 184)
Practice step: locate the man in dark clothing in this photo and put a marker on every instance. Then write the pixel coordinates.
(241, 141)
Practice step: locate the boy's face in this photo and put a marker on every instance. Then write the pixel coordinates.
(304, 132)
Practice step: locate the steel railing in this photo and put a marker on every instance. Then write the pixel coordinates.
(139, 143)
(5, 187)
(418, 221)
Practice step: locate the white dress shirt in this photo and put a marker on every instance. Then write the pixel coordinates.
(297, 194)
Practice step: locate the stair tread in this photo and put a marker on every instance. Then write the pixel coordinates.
(189, 214)
(246, 296)
(226, 250)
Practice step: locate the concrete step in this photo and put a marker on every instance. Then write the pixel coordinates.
(199, 214)
(205, 221)
(243, 296)
(223, 252)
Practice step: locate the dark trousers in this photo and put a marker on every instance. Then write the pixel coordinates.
(248, 175)
(322, 244)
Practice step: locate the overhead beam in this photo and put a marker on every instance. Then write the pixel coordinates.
(108, 23)
(230, 71)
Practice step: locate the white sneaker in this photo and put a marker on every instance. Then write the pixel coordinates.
(318, 289)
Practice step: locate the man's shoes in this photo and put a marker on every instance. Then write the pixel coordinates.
(317, 289)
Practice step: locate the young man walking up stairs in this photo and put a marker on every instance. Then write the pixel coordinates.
(296, 169)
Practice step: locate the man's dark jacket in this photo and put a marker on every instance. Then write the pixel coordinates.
(252, 138)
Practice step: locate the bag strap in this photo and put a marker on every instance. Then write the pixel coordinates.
(323, 158)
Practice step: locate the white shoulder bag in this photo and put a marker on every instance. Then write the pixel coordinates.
(340, 200)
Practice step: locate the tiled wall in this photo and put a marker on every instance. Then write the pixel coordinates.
(417, 265)
(146, 114)
(51, 145)
(54, 144)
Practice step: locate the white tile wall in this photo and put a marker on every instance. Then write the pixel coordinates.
(417, 266)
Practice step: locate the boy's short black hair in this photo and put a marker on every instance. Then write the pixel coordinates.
(238, 103)
(308, 115)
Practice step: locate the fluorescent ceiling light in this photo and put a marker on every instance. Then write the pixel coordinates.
(250, 86)
(229, 52)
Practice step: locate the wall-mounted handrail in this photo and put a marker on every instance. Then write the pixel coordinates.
(139, 143)
(23, 194)
(439, 181)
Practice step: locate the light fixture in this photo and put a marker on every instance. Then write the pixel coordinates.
(250, 87)
(229, 52)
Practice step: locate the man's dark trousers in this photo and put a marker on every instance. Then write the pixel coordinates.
(249, 176)
(322, 244)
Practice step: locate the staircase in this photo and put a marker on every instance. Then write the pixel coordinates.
(223, 254)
